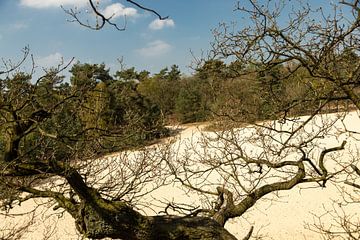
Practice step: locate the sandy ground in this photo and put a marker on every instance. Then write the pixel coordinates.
(285, 217)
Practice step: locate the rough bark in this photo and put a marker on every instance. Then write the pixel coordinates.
(118, 220)
(99, 218)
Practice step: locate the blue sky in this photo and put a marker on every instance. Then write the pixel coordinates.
(145, 44)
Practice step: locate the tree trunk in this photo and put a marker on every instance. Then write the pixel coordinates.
(99, 218)
(118, 220)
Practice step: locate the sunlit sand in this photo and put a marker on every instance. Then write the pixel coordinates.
(286, 217)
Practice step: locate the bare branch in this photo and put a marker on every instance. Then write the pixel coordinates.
(11, 67)
(74, 14)
(248, 236)
(147, 9)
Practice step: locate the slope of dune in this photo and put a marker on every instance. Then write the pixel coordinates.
(285, 217)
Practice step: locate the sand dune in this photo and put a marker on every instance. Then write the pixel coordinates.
(285, 217)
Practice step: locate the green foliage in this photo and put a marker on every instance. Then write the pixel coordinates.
(162, 89)
(96, 109)
(128, 107)
(94, 114)
(212, 69)
(87, 75)
(174, 73)
(131, 74)
(270, 90)
(190, 105)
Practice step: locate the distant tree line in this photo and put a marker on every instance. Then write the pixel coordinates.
(137, 105)
(244, 93)
(94, 106)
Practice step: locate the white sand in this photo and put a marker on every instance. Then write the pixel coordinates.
(284, 218)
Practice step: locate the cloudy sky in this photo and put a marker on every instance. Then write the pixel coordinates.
(147, 43)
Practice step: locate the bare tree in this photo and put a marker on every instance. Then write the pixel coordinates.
(322, 42)
(13, 231)
(317, 48)
(340, 220)
(48, 152)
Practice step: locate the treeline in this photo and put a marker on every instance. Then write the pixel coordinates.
(216, 90)
(91, 111)
(137, 105)
(237, 91)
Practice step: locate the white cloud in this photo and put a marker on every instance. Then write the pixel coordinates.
(51, 60)
(158, 24)
(52, 3)
(113, 10)
(118, 10)
(154, 49)
(18, 26)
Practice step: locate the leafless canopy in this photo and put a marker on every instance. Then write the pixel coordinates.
(319, 46)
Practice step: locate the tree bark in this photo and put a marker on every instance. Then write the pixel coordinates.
(99, 218)
(118, 220)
